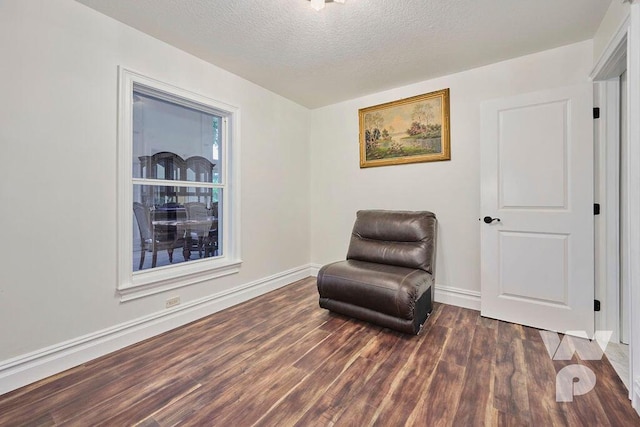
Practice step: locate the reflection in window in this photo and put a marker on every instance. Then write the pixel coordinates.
(179, 221)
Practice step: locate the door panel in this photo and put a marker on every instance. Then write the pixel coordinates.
(524, 280)
(524, 147)
(537, 177)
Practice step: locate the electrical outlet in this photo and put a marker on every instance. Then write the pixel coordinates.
(172, 302)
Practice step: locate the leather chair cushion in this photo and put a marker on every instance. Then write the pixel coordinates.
(387, 289)
(399, 238)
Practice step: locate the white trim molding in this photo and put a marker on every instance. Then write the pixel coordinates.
(615, 49)
(163, 285)
(458, 297)
(25, 369)
(633, 81)
(135, 284)
(315, 268)
(626, 43)
(608, 193)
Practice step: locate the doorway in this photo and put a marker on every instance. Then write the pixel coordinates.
(617, 193)
(613, 158)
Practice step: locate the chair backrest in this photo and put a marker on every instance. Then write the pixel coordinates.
(198, 212)
(144, 220)
(401, 238)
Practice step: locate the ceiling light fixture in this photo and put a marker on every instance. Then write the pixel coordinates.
(319, 4)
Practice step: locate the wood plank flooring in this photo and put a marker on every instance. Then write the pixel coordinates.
(280, 360)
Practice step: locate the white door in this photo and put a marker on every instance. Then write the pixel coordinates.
(537, 261)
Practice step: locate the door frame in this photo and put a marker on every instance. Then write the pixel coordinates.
(623, 50)
(608, 273)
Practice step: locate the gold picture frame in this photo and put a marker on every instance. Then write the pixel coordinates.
(409, 130)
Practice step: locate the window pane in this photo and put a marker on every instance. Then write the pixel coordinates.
(175, 224)
(174, 142)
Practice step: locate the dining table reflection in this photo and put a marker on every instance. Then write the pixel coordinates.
(196, 229)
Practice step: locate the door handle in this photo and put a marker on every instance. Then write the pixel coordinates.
(489, 220)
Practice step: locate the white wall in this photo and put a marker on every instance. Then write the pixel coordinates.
(615, 16)
(299, 172)
(58, 110)
(451, 189)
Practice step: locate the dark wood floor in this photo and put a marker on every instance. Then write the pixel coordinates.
(280, 360)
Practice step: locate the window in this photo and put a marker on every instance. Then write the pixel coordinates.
(178, 214)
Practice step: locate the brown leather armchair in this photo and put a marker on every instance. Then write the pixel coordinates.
(388, 276)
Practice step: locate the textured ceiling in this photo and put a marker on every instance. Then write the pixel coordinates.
(361, 47)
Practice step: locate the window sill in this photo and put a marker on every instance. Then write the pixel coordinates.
(144, 284)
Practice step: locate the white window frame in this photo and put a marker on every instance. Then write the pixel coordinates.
(132, 285)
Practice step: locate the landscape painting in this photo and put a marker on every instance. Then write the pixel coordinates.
(410, 130)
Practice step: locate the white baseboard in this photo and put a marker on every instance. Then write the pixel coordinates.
(314, 269)
(27, 368)
(458, 297)
(34, 366)
(635, 400)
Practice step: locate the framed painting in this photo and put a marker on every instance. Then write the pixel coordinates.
(409, 130)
